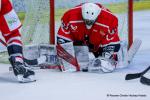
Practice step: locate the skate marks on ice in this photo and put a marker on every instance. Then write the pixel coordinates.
(7, 78)
(5, 75)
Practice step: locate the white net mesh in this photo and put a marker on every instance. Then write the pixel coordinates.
(35, 28)
(36, 24)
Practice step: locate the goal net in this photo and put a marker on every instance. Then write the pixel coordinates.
(40, 23)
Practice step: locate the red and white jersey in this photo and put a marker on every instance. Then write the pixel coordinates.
(9, 24)
(103, 32)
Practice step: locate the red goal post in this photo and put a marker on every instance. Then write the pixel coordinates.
(52, 21)
(130, 23)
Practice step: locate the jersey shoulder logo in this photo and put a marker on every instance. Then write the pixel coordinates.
(12, 20)
(108, 38)
(73, 27)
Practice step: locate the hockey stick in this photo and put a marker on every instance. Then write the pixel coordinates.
(145, 80)
(62, 53)
(3, 42)
(34, 64)
(136, 75)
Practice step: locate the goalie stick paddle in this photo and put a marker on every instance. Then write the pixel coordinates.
(62, 53)
(133, 49)
(136, 75)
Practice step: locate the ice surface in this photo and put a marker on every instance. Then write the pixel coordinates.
(55, 85)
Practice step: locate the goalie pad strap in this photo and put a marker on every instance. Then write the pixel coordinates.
(62, 53)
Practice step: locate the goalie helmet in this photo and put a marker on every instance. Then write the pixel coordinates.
(90, 12)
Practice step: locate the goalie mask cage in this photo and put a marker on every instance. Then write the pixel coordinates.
(42, 18)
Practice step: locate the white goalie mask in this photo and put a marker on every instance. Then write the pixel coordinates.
(90, 12)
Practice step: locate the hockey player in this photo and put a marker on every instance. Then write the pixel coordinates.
(9, 27)
(95, 26)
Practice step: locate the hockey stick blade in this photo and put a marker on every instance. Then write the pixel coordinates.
(136, 75)
(144, 80)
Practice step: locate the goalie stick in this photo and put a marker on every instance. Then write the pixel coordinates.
(145, 80)
(137, 75)
(133, 50)
(62, 53)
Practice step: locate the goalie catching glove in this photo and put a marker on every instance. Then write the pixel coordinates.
(101, 65)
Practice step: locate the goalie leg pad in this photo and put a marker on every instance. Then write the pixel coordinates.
(67, 57)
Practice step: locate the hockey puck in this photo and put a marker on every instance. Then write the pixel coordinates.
(85, 70)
